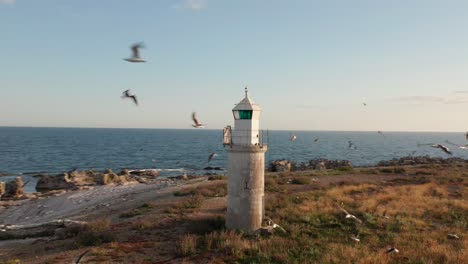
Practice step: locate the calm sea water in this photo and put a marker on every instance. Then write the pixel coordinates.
(28, 151)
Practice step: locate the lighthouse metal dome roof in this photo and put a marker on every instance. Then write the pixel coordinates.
(247, 104)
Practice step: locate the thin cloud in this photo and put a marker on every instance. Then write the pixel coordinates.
(311, 106)
(432, 99)
(7, 2)
(460, 92)
(194, 5)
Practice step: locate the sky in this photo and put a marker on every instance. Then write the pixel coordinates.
(309, 64)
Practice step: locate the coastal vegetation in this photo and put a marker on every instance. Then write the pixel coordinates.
(412, 208)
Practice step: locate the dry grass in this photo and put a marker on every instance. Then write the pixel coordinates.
(393, 214)
(187, 245)
(216, 189)
(413, 212)
(93, 234)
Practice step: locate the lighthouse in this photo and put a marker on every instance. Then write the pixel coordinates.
(246, 167)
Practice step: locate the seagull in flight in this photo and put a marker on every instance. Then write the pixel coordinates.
(459, 146)
(212, 155)
(364, 104)
(381, 133)
(351, 145)
(443, 148)
(439, 146)
(293, 138)
(136, 53)
(196, 123)
(348, 215)
(127, 94)
(316, 140)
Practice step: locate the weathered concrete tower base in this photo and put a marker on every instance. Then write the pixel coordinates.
(246, 167)
(245, 199)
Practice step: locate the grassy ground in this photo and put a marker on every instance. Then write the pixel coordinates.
(410, 208)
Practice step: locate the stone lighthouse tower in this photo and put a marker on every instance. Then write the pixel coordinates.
(246, 167)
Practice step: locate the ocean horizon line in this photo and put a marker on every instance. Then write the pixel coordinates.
(214, 129)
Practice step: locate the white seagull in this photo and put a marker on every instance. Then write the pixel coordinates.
(355, 238)
(272, 224)
(293, 138)
(126, 94)
(136, 53)
(381, 133)
(196, 123)
(459, 146)
(212, 155)
(453, 236)
(443, 148)
(348, 215)
(439, 146)
(392, 250)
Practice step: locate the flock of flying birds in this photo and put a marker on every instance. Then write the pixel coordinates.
(445, 149)
(136, 58)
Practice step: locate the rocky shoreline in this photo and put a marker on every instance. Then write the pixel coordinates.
(77, 180)
(284, 165)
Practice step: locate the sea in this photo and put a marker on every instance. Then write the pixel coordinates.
(28, 151)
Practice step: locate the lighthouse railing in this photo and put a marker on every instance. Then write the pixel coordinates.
(244, 137)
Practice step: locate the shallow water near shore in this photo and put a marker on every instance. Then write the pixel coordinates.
(30, 151)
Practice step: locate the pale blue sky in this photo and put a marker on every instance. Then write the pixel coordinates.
(309, 64)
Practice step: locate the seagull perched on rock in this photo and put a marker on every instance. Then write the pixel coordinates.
(136, 53)
(196, 123)
(127, 94)
(348, 215)
(212, 155)
(392, 250)
(459, 146)
(293, 138)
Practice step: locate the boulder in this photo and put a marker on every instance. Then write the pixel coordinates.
(61, 181)
(212, 168)
(14, 188)
(146, 173)
(419, 160)
(280, 166)
(2, 189)
(124, 172)
(109, 177)
(320, 166)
